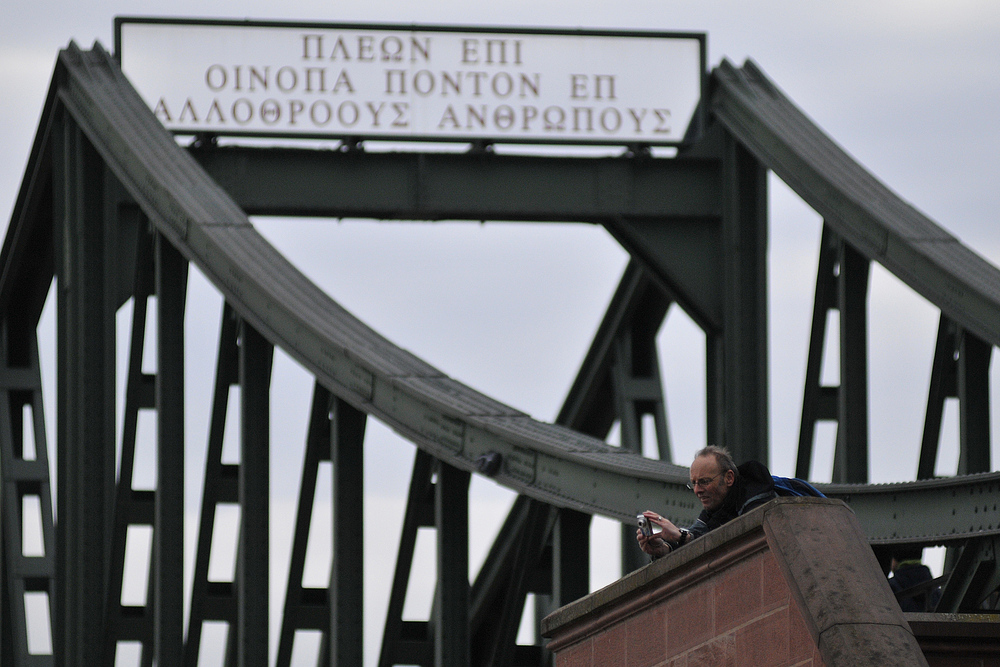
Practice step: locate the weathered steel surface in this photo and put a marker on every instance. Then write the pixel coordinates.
(461, 186)
(95, 129)
(859, 207)
(439, 414)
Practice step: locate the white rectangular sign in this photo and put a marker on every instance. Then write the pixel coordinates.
(410, 82)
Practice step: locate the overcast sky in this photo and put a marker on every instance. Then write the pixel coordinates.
(911, 89)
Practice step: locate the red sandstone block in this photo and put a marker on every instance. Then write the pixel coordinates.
(801, 644)
(647, 637)
(774, 589)
(738, 594)
(690, 619)
(580, 655)
(720, 652)
(610, 646)
(764, 643)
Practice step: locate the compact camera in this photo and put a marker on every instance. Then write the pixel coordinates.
(644, 525)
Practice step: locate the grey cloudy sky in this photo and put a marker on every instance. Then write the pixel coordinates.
(911, 89)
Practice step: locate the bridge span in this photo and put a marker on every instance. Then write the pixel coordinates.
(113, 209)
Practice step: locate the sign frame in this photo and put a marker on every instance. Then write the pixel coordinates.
(691, 131)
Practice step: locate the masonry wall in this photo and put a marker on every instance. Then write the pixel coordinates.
(743, 616)
(793, 583)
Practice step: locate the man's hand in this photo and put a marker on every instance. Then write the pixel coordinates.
(655, 545)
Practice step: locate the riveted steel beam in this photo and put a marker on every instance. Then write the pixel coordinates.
(463, 186)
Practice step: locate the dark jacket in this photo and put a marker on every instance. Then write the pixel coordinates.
(907, 575)
(754, 486)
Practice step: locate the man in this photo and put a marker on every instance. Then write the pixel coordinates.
(725, 491)
(908, 571)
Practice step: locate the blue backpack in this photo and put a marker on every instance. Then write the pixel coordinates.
(793, 486)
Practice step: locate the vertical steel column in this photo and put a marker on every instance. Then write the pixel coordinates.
(168, 530)
(715, 401)
(347, 580)
(841, 285)
(819, 403)
(570, 557)
(638, 390)
(214, 600)
(253, 566)
(307, 608)
(850, 463)
(336, 434)
(974, 404)
(407, 642)
(570, 566)
(638, 387)
(23, 475)
(133, 507)
(518, 563)
(85, 397)
(943, 385)
(451, 602)
(744, 336)
(10, 623)
(496, 617)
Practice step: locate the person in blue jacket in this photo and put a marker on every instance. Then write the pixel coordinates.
(725, 491)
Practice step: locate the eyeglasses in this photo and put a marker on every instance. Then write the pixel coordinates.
(703, 482)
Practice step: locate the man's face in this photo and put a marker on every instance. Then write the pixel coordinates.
(710, 485)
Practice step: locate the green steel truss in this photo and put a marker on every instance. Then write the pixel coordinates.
(112, 210)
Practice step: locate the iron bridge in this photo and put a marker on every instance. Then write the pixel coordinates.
(113, 210)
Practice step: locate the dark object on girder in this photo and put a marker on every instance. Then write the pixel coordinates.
(489, 463)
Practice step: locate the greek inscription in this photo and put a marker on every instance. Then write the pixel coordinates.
(491, 51)
(366, 48)
(286, 79)
(475, 83)
(598, 87)
(396, 82)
